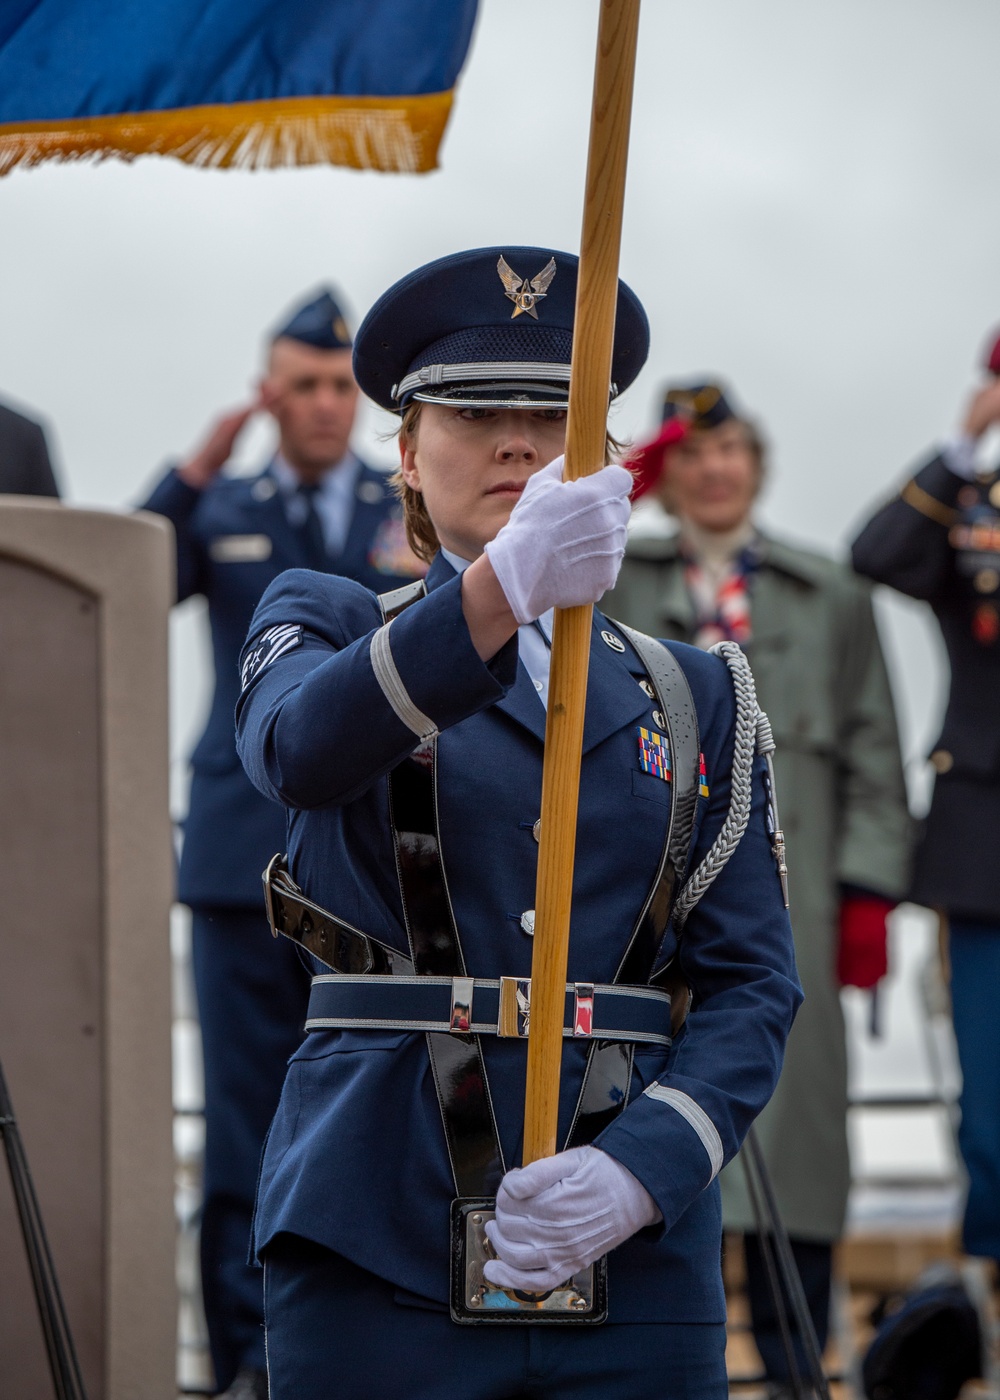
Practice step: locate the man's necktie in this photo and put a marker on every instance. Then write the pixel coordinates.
(312, 526)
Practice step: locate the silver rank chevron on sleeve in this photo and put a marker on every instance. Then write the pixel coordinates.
(268, 647)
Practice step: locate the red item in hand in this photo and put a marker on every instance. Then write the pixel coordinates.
(993, 358)
(861, 955)
(646, 462)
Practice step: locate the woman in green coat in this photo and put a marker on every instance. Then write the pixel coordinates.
(807, 624)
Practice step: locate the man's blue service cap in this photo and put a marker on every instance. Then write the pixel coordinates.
(319, 322)
(490, 328)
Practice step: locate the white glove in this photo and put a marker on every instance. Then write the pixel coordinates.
(959, 453)
(564, 541)
(560, 1214)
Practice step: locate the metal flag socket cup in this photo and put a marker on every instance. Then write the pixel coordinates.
(582, 1299)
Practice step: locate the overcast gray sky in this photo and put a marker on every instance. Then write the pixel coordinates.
(813, 212)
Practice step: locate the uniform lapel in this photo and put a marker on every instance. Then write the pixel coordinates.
(676, 610)
(768, 619)
(522, 704)
(614, 698)
(266, 504)
(675, 615)
(769, 586)
(371, 496)
(676, 607)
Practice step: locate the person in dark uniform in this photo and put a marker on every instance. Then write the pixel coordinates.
(939, 540)
(315, 505)
(405, 737)
(807, 625)
(25, 469)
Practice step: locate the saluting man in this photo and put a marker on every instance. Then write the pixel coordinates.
(808, 628)
(939, 540)
(318, 506)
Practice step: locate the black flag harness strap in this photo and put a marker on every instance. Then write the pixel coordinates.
(375, 985)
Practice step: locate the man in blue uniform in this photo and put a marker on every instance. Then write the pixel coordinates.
(939, 540)
(316, 505)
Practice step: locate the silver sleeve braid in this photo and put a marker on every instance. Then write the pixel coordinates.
(753, 736)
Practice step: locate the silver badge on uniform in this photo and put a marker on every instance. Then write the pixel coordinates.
(370, 492)
(275, 642)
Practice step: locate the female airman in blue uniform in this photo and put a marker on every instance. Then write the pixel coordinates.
(405, 736)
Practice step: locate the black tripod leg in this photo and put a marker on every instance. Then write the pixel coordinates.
(789, 1270)
(63, 1363)
(773, 1281)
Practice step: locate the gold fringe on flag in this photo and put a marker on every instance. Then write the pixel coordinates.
(399, 134)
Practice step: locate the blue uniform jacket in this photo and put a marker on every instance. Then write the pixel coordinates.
(233, 539)
(356, 1157)
(910, 544)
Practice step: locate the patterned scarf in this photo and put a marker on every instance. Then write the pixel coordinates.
(721, 604)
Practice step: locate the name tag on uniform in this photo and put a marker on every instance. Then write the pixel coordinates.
(240, 549)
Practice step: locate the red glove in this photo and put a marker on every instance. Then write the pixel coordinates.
(861, 954)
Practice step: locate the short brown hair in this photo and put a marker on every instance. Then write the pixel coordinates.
(420, 532)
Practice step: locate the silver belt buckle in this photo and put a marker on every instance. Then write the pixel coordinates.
(462, 989)
(515, 1007)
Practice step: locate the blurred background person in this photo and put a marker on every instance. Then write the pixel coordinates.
(939, 540)
(25, 468)
(808, 626)
(315, 505)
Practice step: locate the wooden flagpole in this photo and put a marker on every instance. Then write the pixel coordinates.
(586, 429)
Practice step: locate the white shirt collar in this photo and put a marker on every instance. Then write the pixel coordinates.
(456, 561)
(338, 481)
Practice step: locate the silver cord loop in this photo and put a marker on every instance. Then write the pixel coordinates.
(752, 730)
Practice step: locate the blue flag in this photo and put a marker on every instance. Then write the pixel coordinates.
(363, 83)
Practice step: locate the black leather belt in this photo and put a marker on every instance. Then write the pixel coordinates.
(483, 1006)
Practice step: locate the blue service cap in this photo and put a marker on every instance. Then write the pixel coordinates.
(700, 405)
(318, 322)
(491, 328)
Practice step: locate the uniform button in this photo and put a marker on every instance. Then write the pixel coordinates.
(648, 689)
(528, 921)
(615, 643)
(370, 492)
(263, 489)
(538, 686)
(536, 830)
(658, 718)
(942, 761)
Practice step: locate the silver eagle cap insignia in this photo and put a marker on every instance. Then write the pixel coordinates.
(525, 293)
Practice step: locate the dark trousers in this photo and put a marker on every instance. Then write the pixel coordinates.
(252, 995)
(335, 1330)
(975, 979)
(815, 1265)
